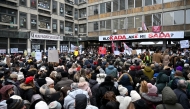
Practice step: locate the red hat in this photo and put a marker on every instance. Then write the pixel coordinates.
(78, 68)
(29, 79)
(132, 67)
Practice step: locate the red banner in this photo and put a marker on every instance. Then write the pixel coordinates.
(156, 29)
(102, 50)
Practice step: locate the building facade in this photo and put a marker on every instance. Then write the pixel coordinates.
(58, 23)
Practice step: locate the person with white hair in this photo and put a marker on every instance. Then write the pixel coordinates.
(181, 93)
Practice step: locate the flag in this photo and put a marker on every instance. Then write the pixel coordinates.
(125, 46)
(144, 26)
(156, 29)
(113, 47)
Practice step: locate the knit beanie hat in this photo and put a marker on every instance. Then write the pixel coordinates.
(13, 76)
(41, 105)
(82, 79)
(134, 96)
(152, 88)
(14, 103)
(122, 90)
(49, 81)
(20, 77)
(179, 68)
(29, 79)
(55, 105)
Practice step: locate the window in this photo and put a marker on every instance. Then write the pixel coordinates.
(76, 2)
(122, 4)
(90, 11)
(102, 8)
(45, 22)
(108, 7)
(33, 4)
(23, 2)
(54, 9)
(148, 20)
(54, 25)
(62, 27)
(148, 2)
(33, 21)
(115, 23)
(103, 25)
(157, 19)
(90, 27)
(68, 26)
(122, 24)
(166, 1)
(44, 4)
(157, 1)
(76, 14)
(108, 24)
(172, 18)
(76, 29)
(95, 9)
(138, 21)
(188, 16)
(23, 20)
(61, 11)
(130, 22)
(82, 28)
(96, 25)
(130, 3)
(8, 16)
(138, 3)
(82, 13)
(68, 10)
(115, 5)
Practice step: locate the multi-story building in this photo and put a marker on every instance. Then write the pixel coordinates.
(40, 24)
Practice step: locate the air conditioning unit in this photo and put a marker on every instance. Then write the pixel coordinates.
(139, 29)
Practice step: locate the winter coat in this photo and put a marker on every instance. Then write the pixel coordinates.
(15, 86)
(166, 60)
(152, 100)
(126, 81)
(148, 72)
(111, 71)
(103, 88)
(31, 72)
(69, 100)
(182, 98)
(157, 57)
(41, 81)
(45, 90)
(161, 81)
(85, 86)
(94, 88)
(4, 92)
(65, 82)
(3, 104)
(100, 78)
(169, 99)
(27, 91)
(124, 101)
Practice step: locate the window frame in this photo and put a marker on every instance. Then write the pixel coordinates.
(20, 16)
(62, 30)
(48, 21)
(33, 17)
(25, 3)
(61, 9)
(35, 4)
(69, 26)
(54, 21)
(54, 7)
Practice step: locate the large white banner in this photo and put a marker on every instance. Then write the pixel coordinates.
(2, 50)
(45, 36)
(161, 35)
(184, 44)
(14, 50)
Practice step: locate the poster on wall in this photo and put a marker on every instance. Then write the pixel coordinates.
(184, 44)
(2, 50)
(14, 50)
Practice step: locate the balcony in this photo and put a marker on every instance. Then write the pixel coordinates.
(69, 2)
(44, 5)
(82, 14)
(82, 2)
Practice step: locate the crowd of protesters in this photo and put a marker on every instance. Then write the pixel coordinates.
(92, 81)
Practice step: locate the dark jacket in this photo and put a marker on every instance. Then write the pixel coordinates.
(182, 98)
(148, 72)
(103, 88)
(27, 91)
(161, 81)
(169, 99)
(94, 88)
(41, 81)
(65, 82)
(125, 81)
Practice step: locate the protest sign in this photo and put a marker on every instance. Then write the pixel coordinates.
(38, 56)
(14, 50)
(134, 52)
(116, 53)
(184, 44)
(53, 56)
(139, 51)
(102, 50)
(2, 50)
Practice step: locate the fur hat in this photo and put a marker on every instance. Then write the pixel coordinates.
(20, 77)
(41, 105)
(49, 81)
(55, 105)
(186, 65)
(29, 79)
(100, 78)
(45, 90)
(82, 79)
(14, 103)
(16, 97)
(152, 88)
(134, 96)
(122, 90)
(13, 76)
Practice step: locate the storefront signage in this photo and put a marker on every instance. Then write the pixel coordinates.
(45, 36)
(160, 35)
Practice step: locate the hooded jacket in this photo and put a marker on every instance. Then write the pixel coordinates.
(148, 72)
(161, 81)
(69, 101)
(169, 99)
(111, 71)
(94, 88)
(65, 82)
(126, 81)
